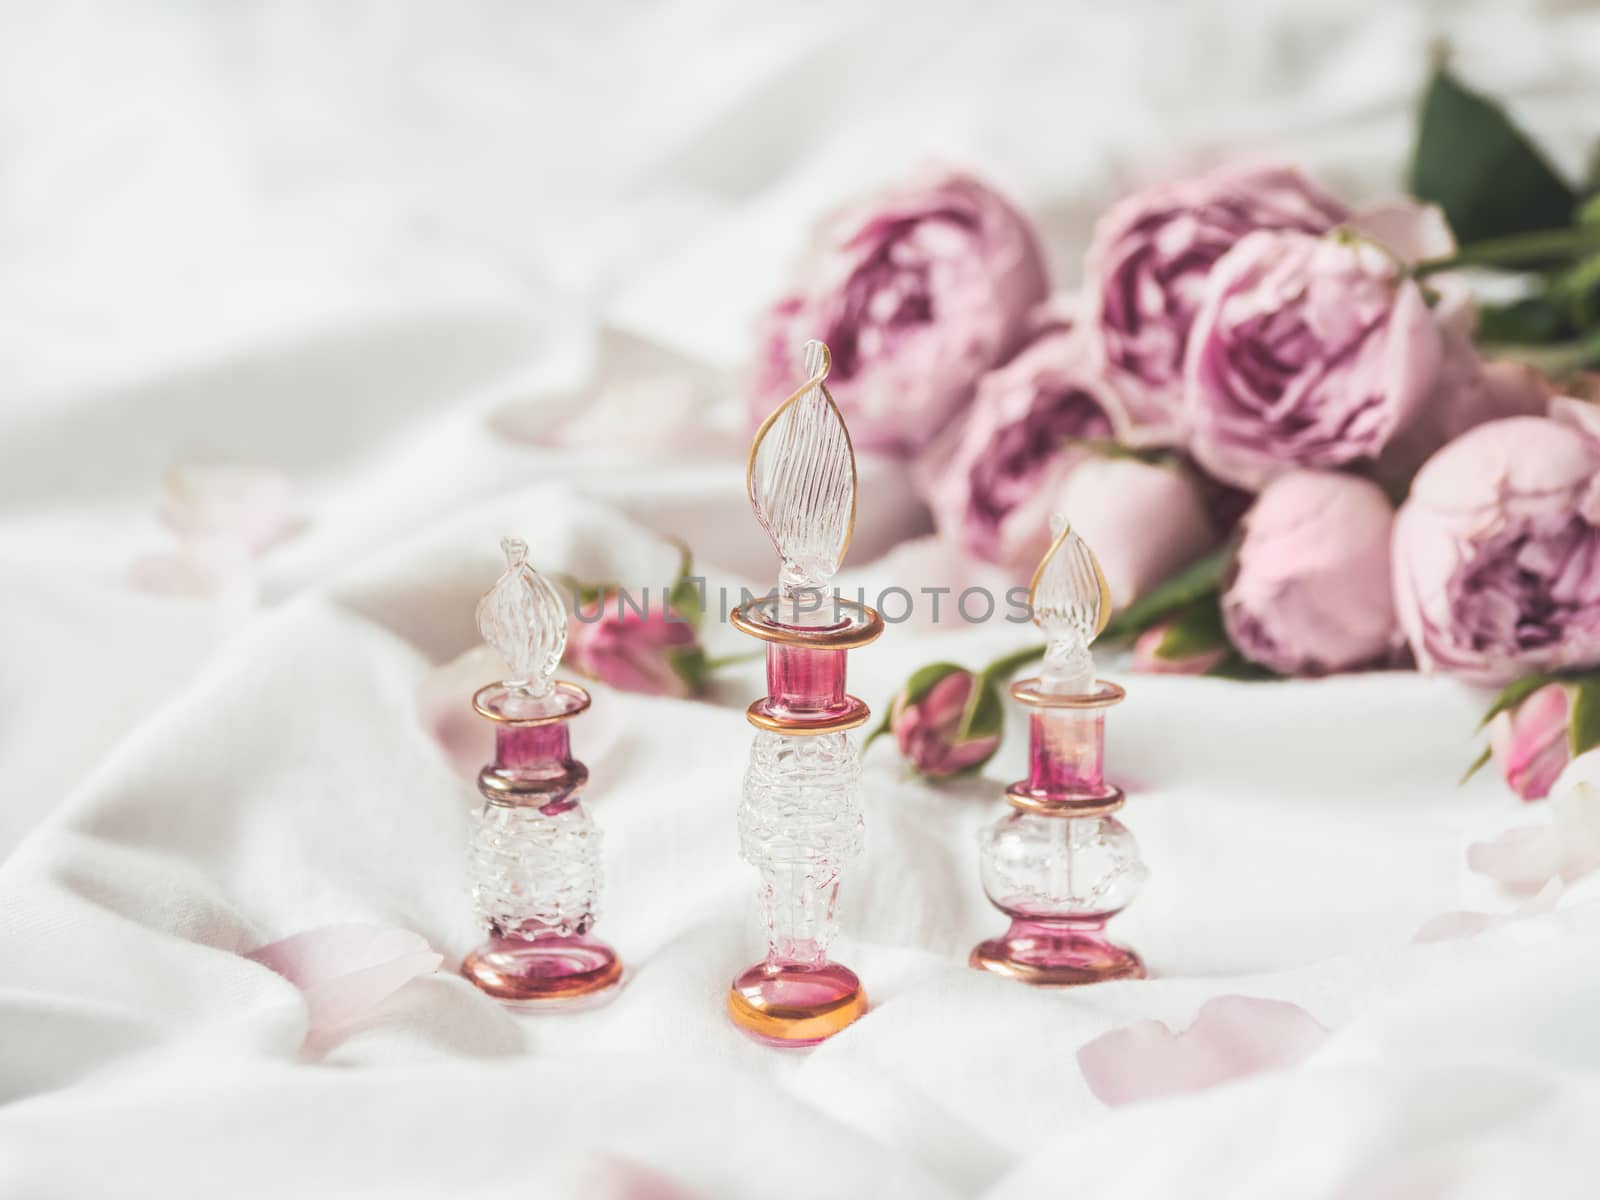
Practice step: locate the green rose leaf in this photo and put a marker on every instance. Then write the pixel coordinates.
(685, 598)
(1237, 666)
(1487, 176)
(689, 664)
(1514, 694)
(1198, 579)
(1583, 726)
(1477, 765)
(1197, 629)
(985, 713)
(1533, 320)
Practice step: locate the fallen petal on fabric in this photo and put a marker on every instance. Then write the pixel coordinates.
(1231, 1037)
(253, 506)
(346, 970)
(1448, 926)
(203, 568)
(1567, 848)
(612, 1177)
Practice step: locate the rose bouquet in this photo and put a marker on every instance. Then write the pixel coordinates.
(1298, 441)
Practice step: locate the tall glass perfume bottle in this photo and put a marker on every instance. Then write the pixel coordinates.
(800, 820)
(535, 856)
(1061, 865)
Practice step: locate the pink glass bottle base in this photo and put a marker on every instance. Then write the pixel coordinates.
(546, 972)
(789, 1005)
(1057, 954)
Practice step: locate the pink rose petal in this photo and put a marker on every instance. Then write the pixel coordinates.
(1231, 1037)
(610, 1177)
(1582, 415)
(1448, 926)
(1408, 230)
(253, 506)
(1567, 847)
(198, 567)
(347, 970)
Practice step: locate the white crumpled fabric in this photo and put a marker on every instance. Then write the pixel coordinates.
(472, 270)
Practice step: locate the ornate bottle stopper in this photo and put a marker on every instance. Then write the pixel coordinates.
(535, 856)
(800, 820)
(1061, 865)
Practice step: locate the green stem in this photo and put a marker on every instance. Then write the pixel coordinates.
(1518, 250)
(729, 660)
(1556, 359)
(1002, 667)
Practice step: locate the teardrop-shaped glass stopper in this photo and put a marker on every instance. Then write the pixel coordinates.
(802, 479)
(523, 618)
(1071, 605)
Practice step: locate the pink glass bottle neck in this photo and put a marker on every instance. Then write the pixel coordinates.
(1066, 752)
(530, 747)
(805, 680)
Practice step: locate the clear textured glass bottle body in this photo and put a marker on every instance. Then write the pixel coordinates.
(800, 826)
(534, 861)
(1060, 865)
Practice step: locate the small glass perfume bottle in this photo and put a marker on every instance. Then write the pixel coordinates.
(535, 856)
(1061, 865)
(800, 821)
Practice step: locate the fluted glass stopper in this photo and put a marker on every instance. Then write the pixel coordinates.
(1071, 605)
(802, 480)
(523, 618)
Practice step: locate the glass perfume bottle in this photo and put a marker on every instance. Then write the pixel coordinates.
(535, 855)
(800, 820)
(1062, 865)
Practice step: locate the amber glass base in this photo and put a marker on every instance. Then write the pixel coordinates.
(547, 972)
(786, 1005)
(1056, 954)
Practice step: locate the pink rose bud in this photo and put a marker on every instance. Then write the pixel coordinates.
(652, 651)
(1161, 650)
(1497, 553)
(917, 293)
(933, 727)
(1310, 592)
(1146, 520)
(1530, 742)
(1306, 352)
(1148, 265)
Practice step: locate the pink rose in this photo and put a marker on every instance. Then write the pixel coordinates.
(917, 294)
(1155, 654)
(1306, 352)
(1497, 553)
(992, 481)
(1530, 743)
(933, 728)
(1148, 265)
(1310, 592)
(652, 651)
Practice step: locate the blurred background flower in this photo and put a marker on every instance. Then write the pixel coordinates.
(1530, 741)
(917, 292)
(1310, 590)
(1306, 351)
(1152, 254)
(993, 480)
(1497, 553)
(945, 721)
